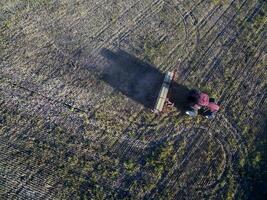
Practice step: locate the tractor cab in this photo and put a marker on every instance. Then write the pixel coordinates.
(199, 102)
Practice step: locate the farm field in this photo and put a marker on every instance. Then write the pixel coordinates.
(78, 81)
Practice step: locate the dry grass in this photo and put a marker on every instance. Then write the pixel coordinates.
(76, 86)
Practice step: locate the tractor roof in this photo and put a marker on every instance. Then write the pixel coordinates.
(203, 99)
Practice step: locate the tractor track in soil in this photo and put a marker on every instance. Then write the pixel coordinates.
(211, 44)
(228, 62)
(244, 80)
(214, 26)
(210, 184)
(229, 43)
(192, 147)
(204, 156)
(185, 60)
(179, 12)
(209, 30)
(227, 161)
(184, 15)
(229, 98)
(133, 143)
(212, 67)
(126, 33)
(15, 177)
(144, 13)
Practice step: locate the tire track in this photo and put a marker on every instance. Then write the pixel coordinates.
(190, 53)
(227, 93)
(224, 51)
(179, 12)
(163, 64)
(154, 7)
(170, 180)
(212, 43)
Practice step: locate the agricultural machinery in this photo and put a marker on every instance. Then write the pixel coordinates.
(195, 103)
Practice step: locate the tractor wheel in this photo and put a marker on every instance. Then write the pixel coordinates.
(191, 112)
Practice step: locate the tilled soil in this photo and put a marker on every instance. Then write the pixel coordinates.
(79, 80)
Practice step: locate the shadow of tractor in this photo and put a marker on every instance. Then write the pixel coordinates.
(139, 80)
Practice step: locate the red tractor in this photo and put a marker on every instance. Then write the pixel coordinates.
(199, 102)
(196, 102)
